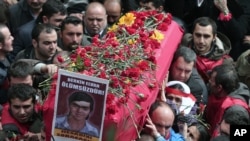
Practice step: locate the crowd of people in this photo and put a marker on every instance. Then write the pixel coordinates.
(207, 89)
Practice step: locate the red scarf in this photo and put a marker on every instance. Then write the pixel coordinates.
(213, 107)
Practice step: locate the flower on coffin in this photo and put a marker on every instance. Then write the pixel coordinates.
(124, 56)
(127, 20)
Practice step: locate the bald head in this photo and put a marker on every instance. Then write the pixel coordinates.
(162, 116)
(95, 19)
(114, 10)
(95, 7)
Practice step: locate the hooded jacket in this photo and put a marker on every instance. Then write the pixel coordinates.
(216, 107)
(217, 55)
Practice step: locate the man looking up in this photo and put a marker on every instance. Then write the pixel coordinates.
(5, 48)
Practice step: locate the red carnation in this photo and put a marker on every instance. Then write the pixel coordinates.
(60, 59)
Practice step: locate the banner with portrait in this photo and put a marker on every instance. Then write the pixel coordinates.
(79, 107)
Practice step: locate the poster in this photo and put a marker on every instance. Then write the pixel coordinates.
(79, 107)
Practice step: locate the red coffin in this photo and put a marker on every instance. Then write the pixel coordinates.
(121, 127)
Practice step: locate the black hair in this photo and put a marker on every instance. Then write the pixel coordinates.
(81, 96)
(227, 77)
(20, 69)
(205, 21)
(39, 28)
(22, 92)
(50, 8)
(70, 20)
(236, 115)
(156, 3)
(203, 130)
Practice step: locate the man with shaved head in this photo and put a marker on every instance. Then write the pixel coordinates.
(95, 21)
(159, 123)
(114, 10)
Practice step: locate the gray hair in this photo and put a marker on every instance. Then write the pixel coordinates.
(187, 53)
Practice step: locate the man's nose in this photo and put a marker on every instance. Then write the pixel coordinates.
(22, 111)
(202, 39)
(75, 38)
(95, 22)
(183, 74)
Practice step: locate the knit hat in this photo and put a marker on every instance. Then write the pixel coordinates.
(188, 100)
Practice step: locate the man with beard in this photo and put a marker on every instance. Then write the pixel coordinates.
(23, 12)
(95, 22)
(44, 41)
(211, 47)
(71, 33)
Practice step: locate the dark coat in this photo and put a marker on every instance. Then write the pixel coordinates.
(19, 15)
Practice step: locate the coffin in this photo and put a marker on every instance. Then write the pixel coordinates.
(121, 126)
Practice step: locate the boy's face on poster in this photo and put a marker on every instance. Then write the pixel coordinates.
(79, 110)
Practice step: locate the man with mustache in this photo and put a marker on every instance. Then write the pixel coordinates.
(212, 48)
(95, 22)
(44, 41)
(71, 33)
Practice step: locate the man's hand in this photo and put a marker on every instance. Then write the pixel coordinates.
(50, 69)
(32, 136)
(221, 5)
(183, 129)
(151, 126)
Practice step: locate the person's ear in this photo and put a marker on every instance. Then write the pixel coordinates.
(45, 19)
(1, 45)
(219, 87)
(215, 36)
(34, 43)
